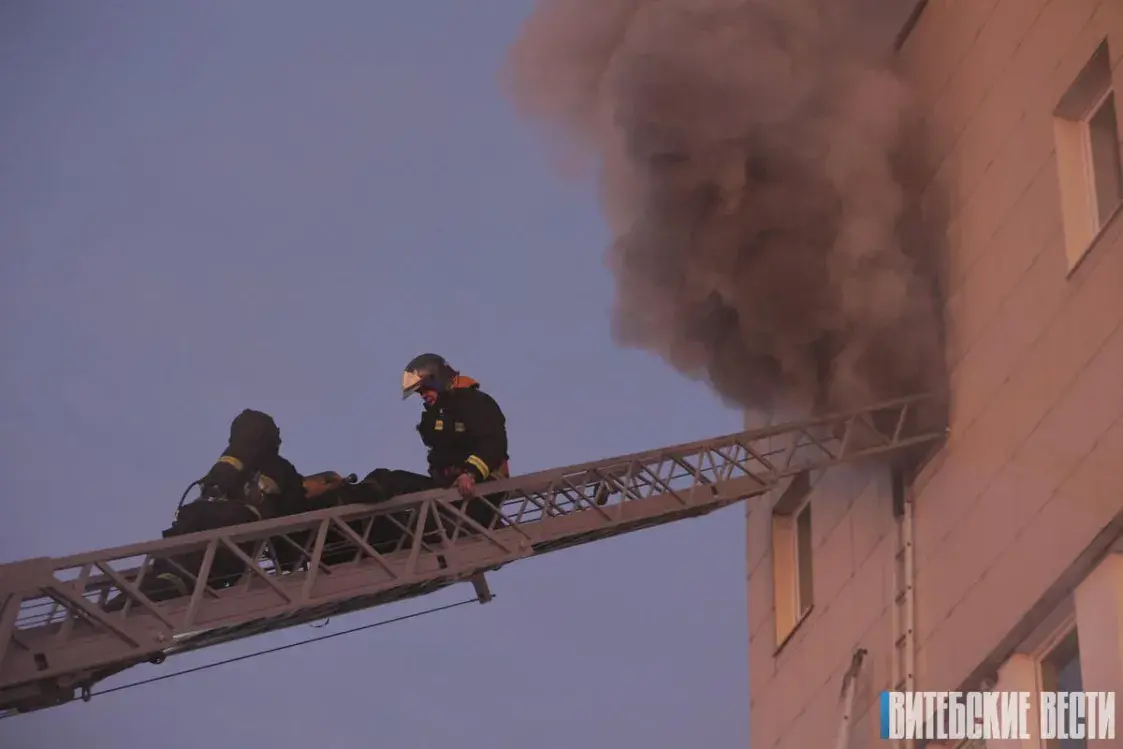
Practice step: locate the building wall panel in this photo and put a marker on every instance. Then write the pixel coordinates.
(1031, 472)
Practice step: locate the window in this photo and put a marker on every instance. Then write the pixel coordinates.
(1060, 672)
(1103, 157)
(791, 557)
(1089, 164)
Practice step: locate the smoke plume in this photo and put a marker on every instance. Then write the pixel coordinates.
(751, 156)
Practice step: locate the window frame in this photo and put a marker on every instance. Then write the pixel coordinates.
(1099, 219)
(1058, 649)
(1065, 646)
(1078, 164)
(793, 568)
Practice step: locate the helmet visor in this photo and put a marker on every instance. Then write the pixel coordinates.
(411, 383)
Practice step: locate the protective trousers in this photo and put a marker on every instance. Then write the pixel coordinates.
(385, 484)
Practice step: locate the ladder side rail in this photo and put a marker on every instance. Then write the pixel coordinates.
(658, 486)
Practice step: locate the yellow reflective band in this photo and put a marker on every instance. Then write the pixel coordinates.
(232, 461)
(479, 465)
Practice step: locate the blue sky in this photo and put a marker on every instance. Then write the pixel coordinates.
(208, 206)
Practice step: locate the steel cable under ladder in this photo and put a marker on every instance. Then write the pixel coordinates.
(67, 623)
(88, 694)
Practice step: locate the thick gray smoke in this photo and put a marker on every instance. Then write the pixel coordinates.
(750, 156)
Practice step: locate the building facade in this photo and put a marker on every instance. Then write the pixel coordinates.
(1007, 569)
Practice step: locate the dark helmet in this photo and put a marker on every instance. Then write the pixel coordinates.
(428, 371)
(253, 431)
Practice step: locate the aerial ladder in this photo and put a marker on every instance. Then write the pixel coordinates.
(58, 638)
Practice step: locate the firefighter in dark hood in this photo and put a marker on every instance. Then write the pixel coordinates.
(251, 471)
(250, 481)
(464, 431)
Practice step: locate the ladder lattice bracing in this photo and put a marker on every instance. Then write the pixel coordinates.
(57, 636)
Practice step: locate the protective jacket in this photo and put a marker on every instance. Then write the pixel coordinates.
(465, 431)
(252, 471)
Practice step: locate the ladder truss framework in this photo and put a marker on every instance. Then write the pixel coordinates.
(58, 636)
